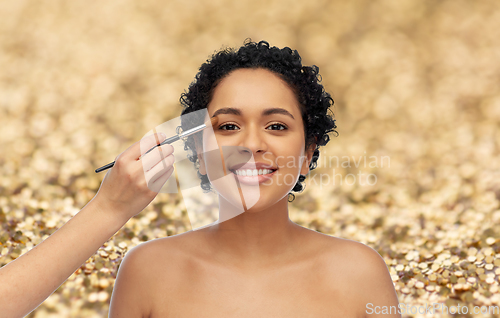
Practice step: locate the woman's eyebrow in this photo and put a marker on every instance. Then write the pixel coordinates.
(265, 112)
(276, 110)
(227, 110)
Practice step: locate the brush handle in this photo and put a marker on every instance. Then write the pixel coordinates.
(213, 122)
(166, 141)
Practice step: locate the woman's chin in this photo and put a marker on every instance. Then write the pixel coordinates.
(249, 197)
(265, 202)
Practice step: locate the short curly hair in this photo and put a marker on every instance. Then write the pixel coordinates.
(287, 64)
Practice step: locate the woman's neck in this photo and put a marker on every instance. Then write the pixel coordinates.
(257, 237)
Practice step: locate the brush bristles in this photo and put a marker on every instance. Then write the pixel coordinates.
(214, 121)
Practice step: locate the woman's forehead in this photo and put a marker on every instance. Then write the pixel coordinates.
(253, 90)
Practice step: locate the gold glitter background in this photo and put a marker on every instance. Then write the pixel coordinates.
(413, 81)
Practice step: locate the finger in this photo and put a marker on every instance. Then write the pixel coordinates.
(158, 183)
(140, 147)
(154, 157)
(149, 142)
(163, 163)
(159, 169)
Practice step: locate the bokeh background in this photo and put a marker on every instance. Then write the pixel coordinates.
(416, 81)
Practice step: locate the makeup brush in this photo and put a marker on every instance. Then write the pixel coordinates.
(213, 122)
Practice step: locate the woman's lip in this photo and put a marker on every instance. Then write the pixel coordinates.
(252, 180)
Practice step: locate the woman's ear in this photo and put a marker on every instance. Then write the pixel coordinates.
(199, 152)
(304, 170)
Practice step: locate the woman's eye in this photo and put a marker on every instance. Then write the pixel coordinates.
(227, 127)
(275, 126)
(278, 126)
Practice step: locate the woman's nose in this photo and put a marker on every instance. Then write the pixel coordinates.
(254, 140)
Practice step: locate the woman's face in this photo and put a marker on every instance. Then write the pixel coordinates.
(259, 120)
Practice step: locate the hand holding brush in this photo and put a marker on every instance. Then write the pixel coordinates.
(170, 140)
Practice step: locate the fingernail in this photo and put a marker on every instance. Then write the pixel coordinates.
(162, 135)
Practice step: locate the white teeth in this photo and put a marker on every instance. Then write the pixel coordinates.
(253, 172)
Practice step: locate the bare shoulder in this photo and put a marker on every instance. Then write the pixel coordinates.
(131, 286)
(157, 259)
(361, 271)
(347, 254)
(148, 254)
(145, 268)
(356, 255)
(159, 248)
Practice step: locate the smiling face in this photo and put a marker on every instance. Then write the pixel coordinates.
(259, 114)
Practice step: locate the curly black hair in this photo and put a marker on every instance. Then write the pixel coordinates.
(287, 64)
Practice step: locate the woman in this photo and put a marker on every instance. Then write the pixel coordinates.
(258, 263)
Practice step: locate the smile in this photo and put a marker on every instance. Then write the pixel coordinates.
(251, 177)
